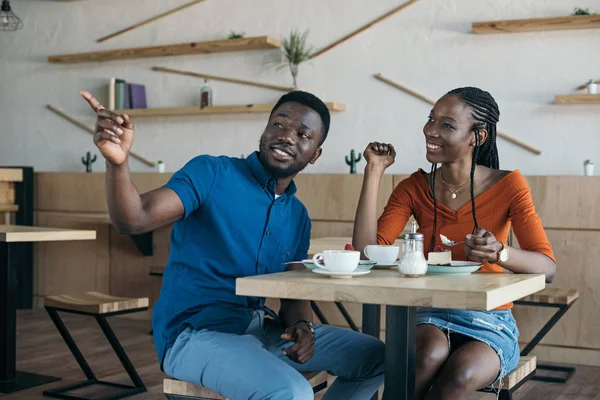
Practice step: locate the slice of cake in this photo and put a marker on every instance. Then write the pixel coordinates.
(441, 257)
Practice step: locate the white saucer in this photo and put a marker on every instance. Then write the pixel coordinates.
(365, 264)
(335, 274)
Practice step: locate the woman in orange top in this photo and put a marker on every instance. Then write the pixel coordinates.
(466, 199)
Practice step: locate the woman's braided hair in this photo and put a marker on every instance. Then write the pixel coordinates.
(486, 114)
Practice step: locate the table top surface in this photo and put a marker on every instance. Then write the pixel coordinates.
(476, 291)
(18, 233)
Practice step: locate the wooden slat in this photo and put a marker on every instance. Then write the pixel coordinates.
(214, 110)
(553, 296)
(149, 20)
(95, 302)
(9, 208)
(428, 100)
(92, 132)
(215, 46)
(526, 366)
(363, 28)
(538, 24)
(223, 79)
(181, 388)
(577, 99)
(11, 175)
(18, 233)
(483, 291)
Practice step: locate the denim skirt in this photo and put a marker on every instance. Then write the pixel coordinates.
(497, 329)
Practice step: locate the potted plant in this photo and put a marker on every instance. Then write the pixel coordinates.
(588, 168)
(295, 50)
(236, 35)
(592, 87)
(581, 11)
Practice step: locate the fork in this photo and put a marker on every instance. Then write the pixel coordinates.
(448, 242)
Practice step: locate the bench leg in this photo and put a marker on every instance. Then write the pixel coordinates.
(505, 395)
(346, 316)
(126, 390)
(562, 309)
(569, 370)
(319, 313)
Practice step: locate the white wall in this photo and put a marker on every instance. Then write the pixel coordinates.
(427, 47)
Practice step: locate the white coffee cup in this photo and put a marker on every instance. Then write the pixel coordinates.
(382, 255)
(337, 260)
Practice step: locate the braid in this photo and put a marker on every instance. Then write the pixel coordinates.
(486, 114)
(432, 184)
(473, 166)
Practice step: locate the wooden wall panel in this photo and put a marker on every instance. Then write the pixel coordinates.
(7, 193)
(71, 267)
(128, 267)
(129, 270)
(334, 197)
(331, 229)
(567, 202)
(83, 192)
(577, 253)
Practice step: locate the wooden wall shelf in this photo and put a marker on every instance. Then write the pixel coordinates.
(216, 46)
(539, 24)
(577, 99)
(234, 109)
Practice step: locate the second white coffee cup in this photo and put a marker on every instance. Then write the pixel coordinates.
(382, 255)
(337, 260)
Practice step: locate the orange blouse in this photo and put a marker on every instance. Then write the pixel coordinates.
(507, 201)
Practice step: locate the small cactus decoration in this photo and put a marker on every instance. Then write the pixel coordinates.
(352, 161)
(88, 161)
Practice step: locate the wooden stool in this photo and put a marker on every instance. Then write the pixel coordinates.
(179, 390)
(99, 306)
(516, 378)
(559, 298)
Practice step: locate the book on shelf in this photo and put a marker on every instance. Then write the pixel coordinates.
(123, 95)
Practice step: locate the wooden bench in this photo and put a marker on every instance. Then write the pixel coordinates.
(559, 298)
(179, 390)
(516, 378)
(100, 306)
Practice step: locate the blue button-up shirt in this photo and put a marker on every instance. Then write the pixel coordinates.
(233, 227)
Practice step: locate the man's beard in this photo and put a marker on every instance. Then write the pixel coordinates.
(278, 173)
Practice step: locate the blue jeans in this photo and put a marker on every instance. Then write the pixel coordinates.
(498, 329)
(251, 366)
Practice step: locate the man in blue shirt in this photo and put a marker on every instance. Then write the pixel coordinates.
(234, 218)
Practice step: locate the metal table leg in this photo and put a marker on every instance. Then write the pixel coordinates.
(11, 380)
(400, 353)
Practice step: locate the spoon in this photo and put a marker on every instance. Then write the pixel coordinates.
(448, 242)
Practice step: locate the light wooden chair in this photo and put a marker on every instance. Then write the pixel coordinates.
(100, 306)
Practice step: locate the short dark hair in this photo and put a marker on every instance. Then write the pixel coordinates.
(310, 101)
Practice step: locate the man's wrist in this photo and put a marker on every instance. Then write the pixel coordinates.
(306, 324)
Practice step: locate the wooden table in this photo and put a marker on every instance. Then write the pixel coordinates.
(478, 291)
(10, 379)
